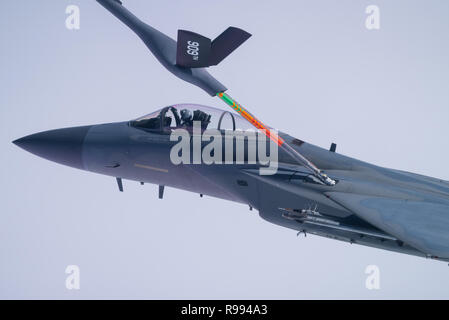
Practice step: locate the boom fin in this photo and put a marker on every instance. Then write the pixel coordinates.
(196, 51)
(193, 50)
(226, 43)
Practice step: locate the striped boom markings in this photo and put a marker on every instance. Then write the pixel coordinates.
(275, 138)
(250, 118)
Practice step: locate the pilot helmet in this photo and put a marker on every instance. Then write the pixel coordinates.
(186, 114)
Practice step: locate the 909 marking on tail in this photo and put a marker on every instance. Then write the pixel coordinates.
(193, 49)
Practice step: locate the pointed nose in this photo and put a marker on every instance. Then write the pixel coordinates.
(64, 146)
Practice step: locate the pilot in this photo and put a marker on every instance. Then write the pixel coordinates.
(186, 118)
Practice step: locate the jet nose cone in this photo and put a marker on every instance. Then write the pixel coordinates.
(63, 146)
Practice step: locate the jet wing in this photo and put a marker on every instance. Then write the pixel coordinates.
(422, 225)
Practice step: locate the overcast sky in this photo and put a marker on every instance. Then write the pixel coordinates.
(311, 69)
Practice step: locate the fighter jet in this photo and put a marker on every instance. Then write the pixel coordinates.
(313, 190)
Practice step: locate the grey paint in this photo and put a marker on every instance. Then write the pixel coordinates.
(382, 96)
(411, 212)
(367, 197)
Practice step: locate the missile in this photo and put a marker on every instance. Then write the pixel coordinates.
(307, 215)
(313, 217)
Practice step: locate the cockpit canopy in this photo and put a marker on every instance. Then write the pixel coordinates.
(183, 116)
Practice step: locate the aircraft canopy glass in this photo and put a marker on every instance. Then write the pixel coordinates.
(183, 116)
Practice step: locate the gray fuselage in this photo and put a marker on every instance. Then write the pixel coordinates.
(123, 151)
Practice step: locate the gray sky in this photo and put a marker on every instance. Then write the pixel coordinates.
(311, 69)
